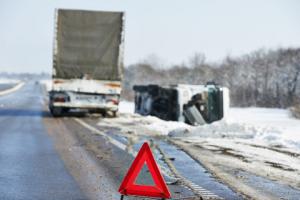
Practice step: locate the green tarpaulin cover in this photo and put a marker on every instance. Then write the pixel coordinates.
(88, 44)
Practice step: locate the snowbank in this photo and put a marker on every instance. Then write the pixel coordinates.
(164, 127)
(8, 81)
(260, 125)
(222, 129)
(141, 125)
(47, 84)
(154, 124)
(270, 126)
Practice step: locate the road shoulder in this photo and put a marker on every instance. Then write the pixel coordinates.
(94, 180)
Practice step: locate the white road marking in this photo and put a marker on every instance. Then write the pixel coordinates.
(115, 142)
(13, 89)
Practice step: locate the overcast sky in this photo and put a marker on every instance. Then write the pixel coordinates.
(171, 29)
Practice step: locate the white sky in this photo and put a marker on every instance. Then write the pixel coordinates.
(171, 29)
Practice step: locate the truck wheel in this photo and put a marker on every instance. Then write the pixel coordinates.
(56, 111)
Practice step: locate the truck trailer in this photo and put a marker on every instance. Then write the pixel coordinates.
(192, 104)
(87, 61)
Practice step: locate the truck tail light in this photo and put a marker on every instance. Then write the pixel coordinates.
(56, 81)
(113, 85)
(59, 99)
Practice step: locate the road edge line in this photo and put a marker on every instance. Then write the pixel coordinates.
(13, 89)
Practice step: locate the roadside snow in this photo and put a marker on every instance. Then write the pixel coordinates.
(268, 126)
(273, 127)
(285, 128)
(262, 141)
(47, 84)
(8, 81)
(141, 125)
(164, 127)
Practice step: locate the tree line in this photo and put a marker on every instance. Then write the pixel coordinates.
(263, 78)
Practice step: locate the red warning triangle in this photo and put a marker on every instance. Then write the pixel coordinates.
(129, 187)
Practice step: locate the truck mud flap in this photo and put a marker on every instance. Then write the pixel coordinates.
(193, 115)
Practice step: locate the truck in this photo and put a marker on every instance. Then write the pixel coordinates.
(87, 61)
(192, 104)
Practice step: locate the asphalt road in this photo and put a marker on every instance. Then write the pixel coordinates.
(30, 168)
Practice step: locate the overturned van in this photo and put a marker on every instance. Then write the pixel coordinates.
(192, 104)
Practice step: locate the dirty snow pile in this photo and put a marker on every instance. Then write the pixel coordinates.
(152, 123)
(140, 125)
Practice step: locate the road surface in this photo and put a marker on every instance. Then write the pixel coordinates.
(30, 166)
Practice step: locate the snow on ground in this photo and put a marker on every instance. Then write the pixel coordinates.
(126, 107)
(262, 141)
(281, 127)
(8, 81)
(47, 84)
(154, 124)
(268, 126)
(141, 125)
(272, 127)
